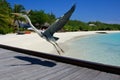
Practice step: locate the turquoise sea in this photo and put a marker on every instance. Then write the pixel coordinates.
(101, 48)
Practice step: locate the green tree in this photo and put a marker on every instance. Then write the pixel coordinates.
(75, 25)
(51, 18)
(38, 17)
(5, 19)
(18, 8)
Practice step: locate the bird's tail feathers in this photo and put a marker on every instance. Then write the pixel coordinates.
(56, 38)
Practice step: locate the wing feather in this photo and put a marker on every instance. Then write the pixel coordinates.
(59, 23)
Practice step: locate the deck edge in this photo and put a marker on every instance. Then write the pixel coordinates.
(78, 62)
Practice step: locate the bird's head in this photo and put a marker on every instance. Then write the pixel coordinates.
(19, 14)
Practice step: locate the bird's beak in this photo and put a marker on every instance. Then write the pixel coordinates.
(17, 14)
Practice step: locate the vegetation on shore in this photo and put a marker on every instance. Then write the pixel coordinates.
(38, 18)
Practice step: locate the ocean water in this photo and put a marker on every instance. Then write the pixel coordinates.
(101, 48)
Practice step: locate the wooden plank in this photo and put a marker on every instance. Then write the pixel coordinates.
(74, 75)
(73, 61)
(5, 51)
(87, 74)
(24, 67)
(52, 75)
(107, 76)
(61, 74)
(47, 72)
(33, 73)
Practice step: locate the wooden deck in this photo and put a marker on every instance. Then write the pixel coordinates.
(18, 66)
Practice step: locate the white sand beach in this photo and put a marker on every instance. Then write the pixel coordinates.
(34, 42)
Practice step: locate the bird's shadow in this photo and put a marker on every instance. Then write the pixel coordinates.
(34, 61)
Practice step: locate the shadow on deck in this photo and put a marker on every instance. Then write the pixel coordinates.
(87, 64)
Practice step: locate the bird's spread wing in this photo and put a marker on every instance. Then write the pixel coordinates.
(59, 23)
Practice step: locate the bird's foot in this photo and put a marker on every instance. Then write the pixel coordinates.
(59, 52)
(62, 51)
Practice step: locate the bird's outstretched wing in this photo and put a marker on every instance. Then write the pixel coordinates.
(59, 23)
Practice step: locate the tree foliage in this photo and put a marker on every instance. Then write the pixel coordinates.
(104, 26)
(39, 17)
(18, 8)
(5, 19)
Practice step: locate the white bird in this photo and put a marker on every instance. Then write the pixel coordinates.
(49, 32)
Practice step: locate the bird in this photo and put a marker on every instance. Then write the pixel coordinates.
(49, 32)
(27, 12)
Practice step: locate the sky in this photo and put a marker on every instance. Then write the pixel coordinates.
(107, 11)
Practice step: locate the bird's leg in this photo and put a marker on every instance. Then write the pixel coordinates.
(55, 48)
(59, 47)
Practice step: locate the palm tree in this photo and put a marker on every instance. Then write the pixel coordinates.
(5, 19)
(17, 9)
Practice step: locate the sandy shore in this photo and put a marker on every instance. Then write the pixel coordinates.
(34, 42)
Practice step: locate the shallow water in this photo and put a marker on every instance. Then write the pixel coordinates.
(102, 48)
